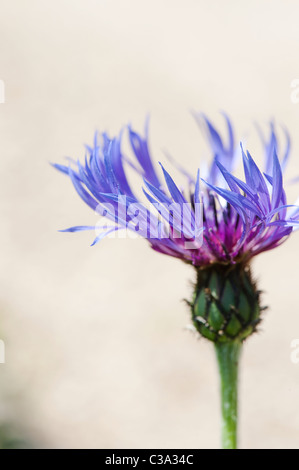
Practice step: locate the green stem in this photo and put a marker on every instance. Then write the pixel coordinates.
(228, 360)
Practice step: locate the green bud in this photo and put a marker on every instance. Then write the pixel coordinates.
(226, 303)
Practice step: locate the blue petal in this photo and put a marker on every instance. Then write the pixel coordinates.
(172, 187)
(255, 180)
(197, 188)
(113, 183)
(236, 200)
(104, 234)
(157, 193)
(140, 148)
(82, 192)
(78, 228)
(117, 164)
(277, 182)
(214, 137)
(228, 177)
(231, 144)
(62, 168)
(287, 151)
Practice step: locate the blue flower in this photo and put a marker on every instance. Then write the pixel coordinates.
(225, 220)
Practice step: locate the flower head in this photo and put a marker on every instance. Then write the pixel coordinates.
(223, 220)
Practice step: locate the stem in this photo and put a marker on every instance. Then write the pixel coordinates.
(228, 360)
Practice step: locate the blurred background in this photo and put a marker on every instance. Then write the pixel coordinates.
(97, 350)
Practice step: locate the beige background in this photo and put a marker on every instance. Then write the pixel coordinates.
(97, 354)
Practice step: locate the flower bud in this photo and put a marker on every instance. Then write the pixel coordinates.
(226, 303)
